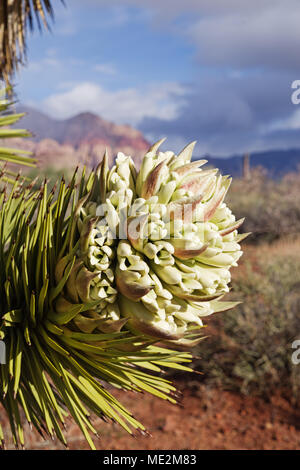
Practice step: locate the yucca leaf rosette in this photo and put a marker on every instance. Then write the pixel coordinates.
(104, 278)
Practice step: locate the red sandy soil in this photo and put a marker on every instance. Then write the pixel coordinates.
(207, 419)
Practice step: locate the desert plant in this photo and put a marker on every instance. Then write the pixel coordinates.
(250, 350)
(271, 207)
(90, 296)
(11, 155)
(15, 16)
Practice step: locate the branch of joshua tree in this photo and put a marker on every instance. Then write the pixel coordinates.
(11, 155)
(15, 18)
(82, 307)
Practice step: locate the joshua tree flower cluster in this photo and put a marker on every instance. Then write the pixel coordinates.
(106, 280)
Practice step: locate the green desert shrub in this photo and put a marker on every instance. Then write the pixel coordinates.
(250, 349)
(271, 208)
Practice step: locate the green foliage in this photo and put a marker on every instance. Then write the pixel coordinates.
(51, 173)
(15, 17)
(52, 369)
(250, 350)
(11, 155)
(271, 208)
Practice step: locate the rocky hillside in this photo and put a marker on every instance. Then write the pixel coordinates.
(79, 139)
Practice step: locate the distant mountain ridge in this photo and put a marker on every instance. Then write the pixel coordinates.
(79, 139)
(82, 139)
(276, 162)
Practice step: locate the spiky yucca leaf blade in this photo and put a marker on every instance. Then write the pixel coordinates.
(52, 368)
(82, 306)
(11, 155)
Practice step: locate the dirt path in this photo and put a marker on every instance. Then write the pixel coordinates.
(209, 419)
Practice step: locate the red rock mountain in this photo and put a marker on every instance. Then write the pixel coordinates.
(81, 139)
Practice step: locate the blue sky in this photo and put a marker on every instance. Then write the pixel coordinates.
(213, 70)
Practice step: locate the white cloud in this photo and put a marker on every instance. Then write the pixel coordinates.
(232, 33)
(107, 69)
(263, 37)
(292, 122)
(122, 106)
